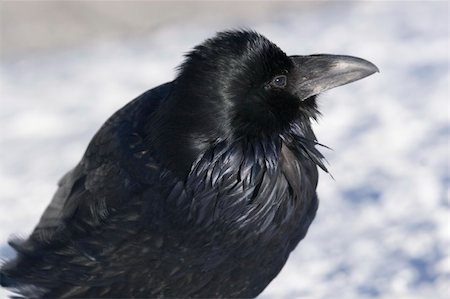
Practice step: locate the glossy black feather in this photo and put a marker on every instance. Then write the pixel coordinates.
(200, 187)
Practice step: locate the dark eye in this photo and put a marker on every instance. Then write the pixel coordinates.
(279, 81)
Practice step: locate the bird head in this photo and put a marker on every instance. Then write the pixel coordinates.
(249, 86)
(239, 86)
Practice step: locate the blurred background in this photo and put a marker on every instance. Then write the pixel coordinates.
(382, 229)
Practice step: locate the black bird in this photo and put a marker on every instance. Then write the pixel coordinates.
(200, 187)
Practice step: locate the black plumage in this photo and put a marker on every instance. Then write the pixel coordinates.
(200, 187)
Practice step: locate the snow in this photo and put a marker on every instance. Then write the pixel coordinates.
(382, 228)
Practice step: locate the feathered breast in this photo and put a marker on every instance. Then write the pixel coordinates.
(248, 186)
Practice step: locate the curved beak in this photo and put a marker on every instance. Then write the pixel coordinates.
(317, 73)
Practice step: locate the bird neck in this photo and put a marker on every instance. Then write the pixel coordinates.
(183, 128)
(258, 178)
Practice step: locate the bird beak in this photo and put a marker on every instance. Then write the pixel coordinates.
(317, 73)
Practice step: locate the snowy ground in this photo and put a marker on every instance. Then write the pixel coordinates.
(383, 225)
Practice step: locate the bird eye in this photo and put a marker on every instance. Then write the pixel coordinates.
(279, 81)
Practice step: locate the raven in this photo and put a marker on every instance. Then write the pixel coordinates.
(200, 187)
